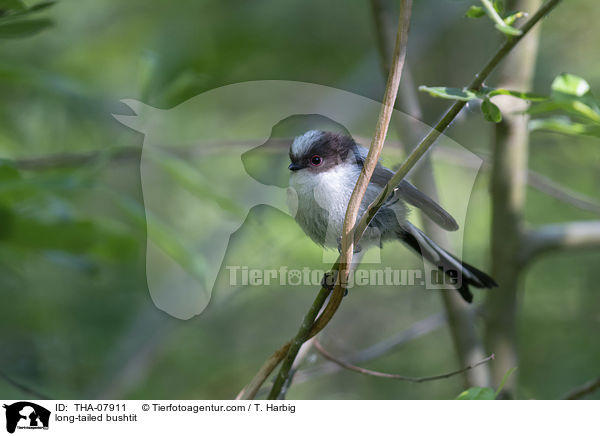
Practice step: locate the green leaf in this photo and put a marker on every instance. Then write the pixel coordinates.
(570, 94)
(40, 6)
(477, 393)
(565, 125)
(588, 109)
(490, 111)
(20, 10)
(504, 380)
(572, 107)
(513, 16)
(529, 96)
(475, 12)
(545, 107)
(450, 93)
(507, 30)
(499, 6)
(570, 84)
(14, 5)
(22, 29)
(575, 94)
(493, 12)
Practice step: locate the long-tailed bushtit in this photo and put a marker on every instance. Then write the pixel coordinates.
(324, 170)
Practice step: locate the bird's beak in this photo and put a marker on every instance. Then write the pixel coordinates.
(294, 167)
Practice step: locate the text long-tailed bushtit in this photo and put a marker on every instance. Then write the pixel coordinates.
(324, 170)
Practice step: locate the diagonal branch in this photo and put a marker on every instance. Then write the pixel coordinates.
(370, 372)
(250, 391)
(22, 387)
(347, 243)
(461, 320)
(583, 390)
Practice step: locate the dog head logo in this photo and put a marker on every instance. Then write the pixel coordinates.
(207, 162)
(26, 415)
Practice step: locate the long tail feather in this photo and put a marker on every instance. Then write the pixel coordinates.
(437, 256)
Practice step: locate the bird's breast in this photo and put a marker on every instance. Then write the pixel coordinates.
(322, 199)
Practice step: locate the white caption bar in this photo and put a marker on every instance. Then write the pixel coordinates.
(298, 417)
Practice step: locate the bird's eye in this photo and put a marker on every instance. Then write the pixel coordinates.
(316, 160)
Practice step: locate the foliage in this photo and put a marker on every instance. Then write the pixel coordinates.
(16, 21)
(571, 95)
(481, 393)
(495, 10)
(490, 111)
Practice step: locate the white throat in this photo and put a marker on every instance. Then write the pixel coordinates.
(322, 199)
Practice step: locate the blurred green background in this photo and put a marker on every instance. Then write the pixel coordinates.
(76, 318)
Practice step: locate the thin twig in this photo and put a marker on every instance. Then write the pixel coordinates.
(372, 159)
(304, 351)
(372, 373)
(567, 195)
(347, 242)
(249, 392)
(69, 160)
(418, 329)
(126, 153)
(534, 179)
(563, 236)
(583, 390)
(22, 387)
(537, 181)
(301, 337)
(461, 320)
(409, 163)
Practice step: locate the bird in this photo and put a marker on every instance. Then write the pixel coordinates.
(324, 169)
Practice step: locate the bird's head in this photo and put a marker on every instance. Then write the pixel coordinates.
(318, 151)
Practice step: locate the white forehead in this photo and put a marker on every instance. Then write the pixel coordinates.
(302, 143)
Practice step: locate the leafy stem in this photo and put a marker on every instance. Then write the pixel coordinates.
(501, 25)
(476, 84)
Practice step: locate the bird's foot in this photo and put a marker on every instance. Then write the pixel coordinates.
(328, 281)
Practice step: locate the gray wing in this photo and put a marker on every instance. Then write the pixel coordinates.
(412, 195)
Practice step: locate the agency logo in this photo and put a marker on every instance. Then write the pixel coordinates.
(26, 415)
